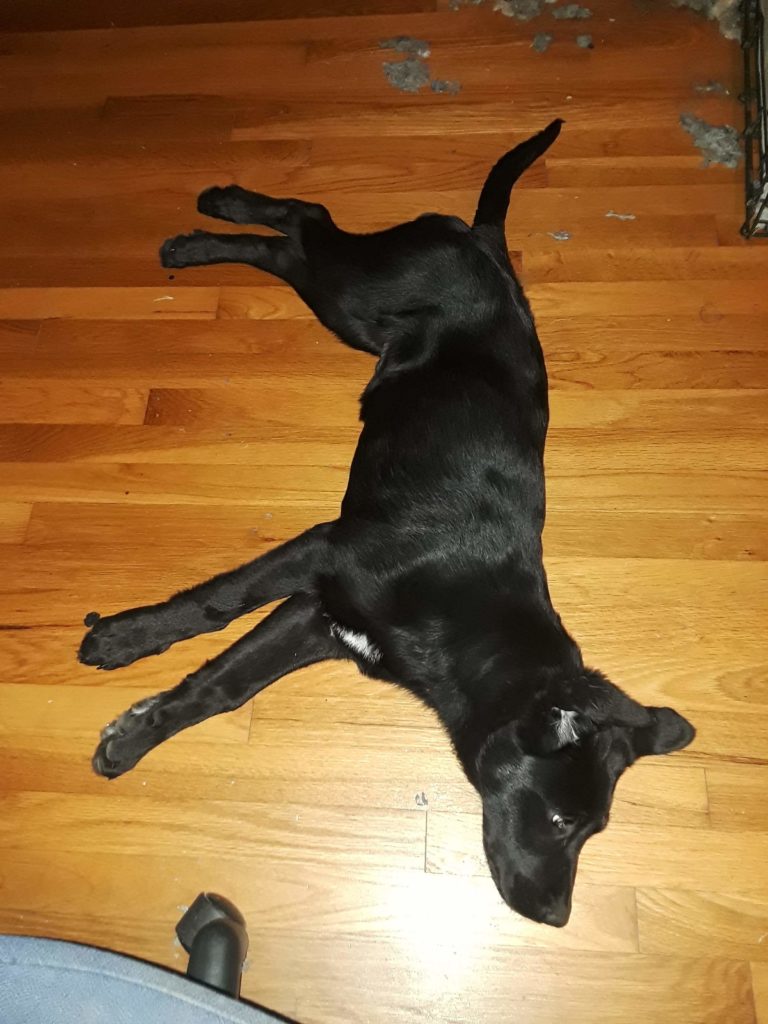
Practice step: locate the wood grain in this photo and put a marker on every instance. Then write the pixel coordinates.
(680, 922)
(36, 403)
(157, 427)
(14, 520)
(736, 796)
(96, 303)
(760, 990)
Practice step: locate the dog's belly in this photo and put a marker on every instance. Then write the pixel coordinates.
(359, 643)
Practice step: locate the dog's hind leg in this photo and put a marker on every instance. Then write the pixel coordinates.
(294, 635)
(121, 639)
(240, 206)
(335, 272)
(279, 256)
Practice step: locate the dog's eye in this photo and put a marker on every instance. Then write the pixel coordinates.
(561, 823)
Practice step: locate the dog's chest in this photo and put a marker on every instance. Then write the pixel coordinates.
(359, 643)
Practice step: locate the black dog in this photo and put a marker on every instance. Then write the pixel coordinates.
(432, 575)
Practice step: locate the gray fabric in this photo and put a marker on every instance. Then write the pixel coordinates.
(43, 981)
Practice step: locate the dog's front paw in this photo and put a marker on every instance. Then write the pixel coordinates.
(126, 740)
(120, 640)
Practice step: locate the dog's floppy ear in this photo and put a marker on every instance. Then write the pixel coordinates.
(654, 730)
(569, 711)
(667, 731)
(608, 705)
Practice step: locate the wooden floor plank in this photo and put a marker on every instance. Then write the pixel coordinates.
(119, 303)
(736, 796)
(30, 403)
(760, 991)
(678, 923)
(14, 521)
(364, 838)
(577, 263)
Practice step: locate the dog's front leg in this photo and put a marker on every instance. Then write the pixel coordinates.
(121, 639)
(294, 635)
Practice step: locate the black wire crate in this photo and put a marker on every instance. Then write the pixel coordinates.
(756, 127)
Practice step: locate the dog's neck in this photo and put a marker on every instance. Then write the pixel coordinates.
(516, 678)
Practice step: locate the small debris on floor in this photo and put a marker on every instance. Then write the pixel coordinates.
(585, 42)
(407, 75)
(571, 12)
(560, 236)
(542, 42)
(621, 216)
(441, 85)
(716, 88)
(406, 44)
(720, 144)
(726, 12)
(522, 10)
(412, 74)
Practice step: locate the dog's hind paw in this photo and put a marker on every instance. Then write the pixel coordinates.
(233, 203)
(168, 253)
(184, 251)
(213, 202)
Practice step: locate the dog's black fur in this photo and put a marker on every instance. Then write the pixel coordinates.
(432, 575)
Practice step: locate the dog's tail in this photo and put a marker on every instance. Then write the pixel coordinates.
(494, 199)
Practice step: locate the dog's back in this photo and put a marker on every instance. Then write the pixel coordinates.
(444, 510)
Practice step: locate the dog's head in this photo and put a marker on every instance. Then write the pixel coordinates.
(547, 783)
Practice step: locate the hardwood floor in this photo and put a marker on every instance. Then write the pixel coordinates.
(157, 428)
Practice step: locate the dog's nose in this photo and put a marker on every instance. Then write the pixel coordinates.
(556, 915)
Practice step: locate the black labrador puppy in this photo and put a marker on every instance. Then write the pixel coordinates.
(432, 576)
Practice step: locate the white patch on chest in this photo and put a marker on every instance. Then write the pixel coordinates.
(566, 731)
(358, 642)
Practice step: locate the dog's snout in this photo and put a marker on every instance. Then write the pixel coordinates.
(556, 915)
(535, 905)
